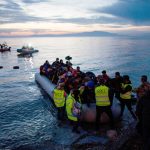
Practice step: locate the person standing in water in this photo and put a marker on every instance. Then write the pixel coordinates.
(125, 96)
(71, 102)
(143, 113)
(59, 96)
(103, 104)
(115, 85)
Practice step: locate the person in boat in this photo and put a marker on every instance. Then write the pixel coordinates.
(44, 68)
(55, 76)
(59, 96)
(79, 72)
(63, 74)
(143, 87)
(61, 63)
(77, 82)
(115, 86)
(61, 70)
(125, 96)
(102, 103)
(46, 65)
(143, 114)
(50, 72)
(75, 72)
(105, 76)
(141, 91)
(87, 93)
(42, 72)
(73, 109)
(56, 63)
(58, 71)
(69, 82)
(68, 64)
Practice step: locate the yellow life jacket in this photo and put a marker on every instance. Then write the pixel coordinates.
(126, 95)
(69, 108)
(59, 98)
(101, 94)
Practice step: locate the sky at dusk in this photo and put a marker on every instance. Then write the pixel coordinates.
(36, 17)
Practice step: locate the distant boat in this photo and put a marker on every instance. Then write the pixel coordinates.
(27, 50)
(4, 47)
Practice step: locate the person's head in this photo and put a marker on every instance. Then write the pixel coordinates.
(78, 68)
(126, 79)
(143, 78)
(100, 79)
(104, 72)
(61, 61)
(57, 59)
(117, 74)
(47, 62)
(61, 86)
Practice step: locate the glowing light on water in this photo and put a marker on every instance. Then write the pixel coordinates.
(29, 45)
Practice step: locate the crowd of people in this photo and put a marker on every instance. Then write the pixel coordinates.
(75, 88)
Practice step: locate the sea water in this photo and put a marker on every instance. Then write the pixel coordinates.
(27, 117)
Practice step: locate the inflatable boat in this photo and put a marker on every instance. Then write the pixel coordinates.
(88, 113)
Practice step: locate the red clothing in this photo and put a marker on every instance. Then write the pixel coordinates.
(105, 77)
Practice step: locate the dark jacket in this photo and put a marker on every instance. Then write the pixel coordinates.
(88, 96)
(143, 113)
(143, 106)
(116, 84)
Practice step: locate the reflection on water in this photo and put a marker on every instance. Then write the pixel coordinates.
(28, 64)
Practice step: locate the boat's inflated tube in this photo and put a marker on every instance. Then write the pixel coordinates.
(88, 113)
(45, 83)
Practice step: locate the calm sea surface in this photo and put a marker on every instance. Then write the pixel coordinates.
(26, 115)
